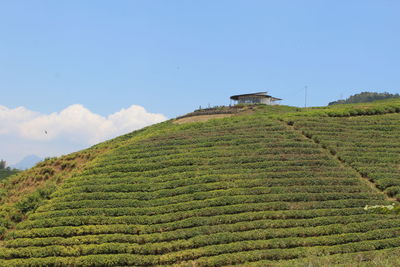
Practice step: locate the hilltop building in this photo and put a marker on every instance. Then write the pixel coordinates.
(255, 98)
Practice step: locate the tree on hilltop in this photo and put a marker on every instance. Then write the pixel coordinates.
(2, 164)
(365, 97)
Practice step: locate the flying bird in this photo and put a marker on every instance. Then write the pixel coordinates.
(45, 131)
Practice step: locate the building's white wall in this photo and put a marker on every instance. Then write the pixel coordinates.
(249, 100)
(256, 100)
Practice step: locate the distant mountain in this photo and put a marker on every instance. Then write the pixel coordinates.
(27, 162)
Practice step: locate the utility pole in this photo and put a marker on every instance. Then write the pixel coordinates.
(305, 96)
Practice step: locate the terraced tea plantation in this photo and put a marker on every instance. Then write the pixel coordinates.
(370, 144)
(245, 190)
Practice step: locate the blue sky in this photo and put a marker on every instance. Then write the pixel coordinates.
(172, 56)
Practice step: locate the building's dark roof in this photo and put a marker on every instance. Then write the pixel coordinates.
(260, 94)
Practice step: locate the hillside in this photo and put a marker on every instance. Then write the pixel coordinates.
(4, 173)
(277, 186)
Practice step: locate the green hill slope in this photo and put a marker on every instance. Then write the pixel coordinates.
(267, 188)
(370, 144)
(4, 173)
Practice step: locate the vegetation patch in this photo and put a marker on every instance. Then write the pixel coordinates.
(6, 171)
(365, 97)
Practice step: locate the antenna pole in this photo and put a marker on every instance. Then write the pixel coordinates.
(305, 96)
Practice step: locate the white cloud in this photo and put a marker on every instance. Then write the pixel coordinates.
(11, 118)
(75, 128)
